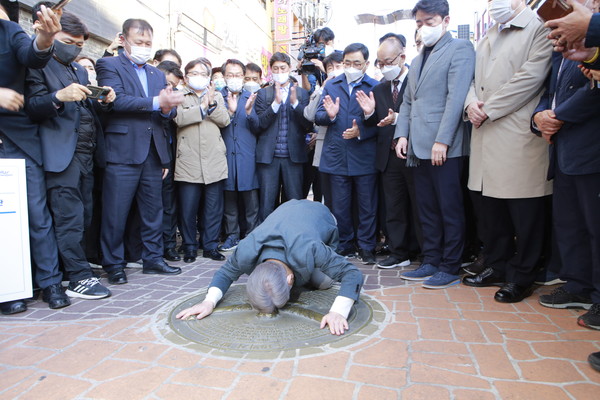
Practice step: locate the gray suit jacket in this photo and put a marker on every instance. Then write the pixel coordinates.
(432, 107)
(301, 233)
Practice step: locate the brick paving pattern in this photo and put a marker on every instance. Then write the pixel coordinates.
(456, 343)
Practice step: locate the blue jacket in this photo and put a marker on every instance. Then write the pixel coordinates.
(576, 147)
(241, 147)
(133, 122)
(349, 157)
(300, 233)
(266, 125)
(592, 38)
(17, 54)
(59, 127)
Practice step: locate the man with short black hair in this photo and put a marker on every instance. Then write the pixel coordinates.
(174, 77)
(167, 55)
(349, 151)
(434, 140)
(241, 186)
(70, 131)
(137, 153)
(281, 129)
(19, 138)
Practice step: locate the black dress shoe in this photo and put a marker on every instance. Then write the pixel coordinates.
(213, 254)
(13, 307)
(512, 293)
(55, 296)
(117, 277)
(476, 267)
(487, 277)
(171, 255)
(189, 257)
(161, 268)
(594, 360)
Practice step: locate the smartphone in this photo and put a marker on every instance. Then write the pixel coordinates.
(60, 4)
(554, 9)
(98, 92)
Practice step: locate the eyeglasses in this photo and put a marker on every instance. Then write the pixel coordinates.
(194, 73)
(355, 64)
(229, 76)
(381, 64)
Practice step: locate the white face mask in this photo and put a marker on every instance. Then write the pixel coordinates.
(390, 72)
(92, 77)
(281, 78)
(329, 50)
(353, 74)
(431, 34)
(335, 73)
(501, 10)
(198, 82)
(140, 55)
(252, 86)
(235, 85)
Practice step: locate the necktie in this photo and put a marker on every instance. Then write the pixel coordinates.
(395, 92)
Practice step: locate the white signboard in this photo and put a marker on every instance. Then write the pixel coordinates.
(15, 264)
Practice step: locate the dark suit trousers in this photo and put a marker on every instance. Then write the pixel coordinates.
(169, 222)
(342, 190)
(70, 202)
(325, 183)
(577, 229)
(281, 171)
(42, 241)
(513, 233)
(441, 211)
(232, 209)
(122, 184)
(190, 196)
(400, 206)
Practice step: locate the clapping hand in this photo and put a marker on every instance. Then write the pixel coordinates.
(367, 103)
(293, 94)
(250, 103)
(388, 120)
(232, 102)
(331, 108)
(353, 132)
(169, 98)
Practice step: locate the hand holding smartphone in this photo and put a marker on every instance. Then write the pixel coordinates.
(98, 93)
(555, 9)
(60, 5)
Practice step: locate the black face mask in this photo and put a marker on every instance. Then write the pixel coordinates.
(66, 53)
(12, 9)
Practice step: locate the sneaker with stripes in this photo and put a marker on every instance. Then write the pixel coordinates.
(89, 289)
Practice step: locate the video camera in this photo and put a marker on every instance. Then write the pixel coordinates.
(310, 50)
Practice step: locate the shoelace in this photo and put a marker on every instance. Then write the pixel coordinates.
(90, 281)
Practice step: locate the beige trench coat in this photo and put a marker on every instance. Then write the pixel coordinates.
(201, 152)
(507, 160)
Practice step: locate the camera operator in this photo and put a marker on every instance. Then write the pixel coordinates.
(317, 47)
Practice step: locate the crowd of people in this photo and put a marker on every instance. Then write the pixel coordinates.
(480, 162)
